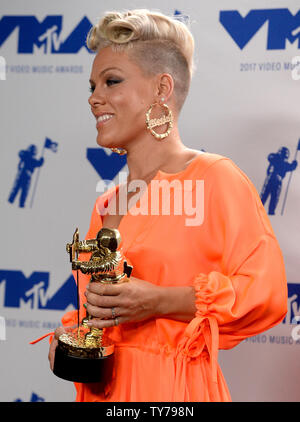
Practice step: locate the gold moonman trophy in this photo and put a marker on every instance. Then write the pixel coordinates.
(85, 354)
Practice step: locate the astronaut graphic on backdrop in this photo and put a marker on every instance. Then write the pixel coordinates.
(277, 169)
(27, 164)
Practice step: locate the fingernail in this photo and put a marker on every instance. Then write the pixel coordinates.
(85, 305)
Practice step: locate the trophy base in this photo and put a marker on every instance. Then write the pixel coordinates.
(84, 370)
(84, 356)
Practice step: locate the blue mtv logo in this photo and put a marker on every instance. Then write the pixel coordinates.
(282, 26)
(21, 291)
(45, 34)
(107, 166)
(293, 309)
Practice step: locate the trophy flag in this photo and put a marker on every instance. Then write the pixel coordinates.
(287, 188)
(53, 147)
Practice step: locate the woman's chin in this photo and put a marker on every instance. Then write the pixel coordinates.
(107, 143)
(101, 142)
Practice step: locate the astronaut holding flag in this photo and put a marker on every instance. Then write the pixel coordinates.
(277, 169)
(295, 163)
(26, 167)
(48, 145)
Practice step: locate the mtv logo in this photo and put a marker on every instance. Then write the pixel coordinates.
(282, 26)
(45, 35)
(32, 292)
(106, 165)
(293, 306)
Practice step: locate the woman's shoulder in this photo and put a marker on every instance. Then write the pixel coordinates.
(205, 160)
(224, 177)
(210, 157)
(219, 170)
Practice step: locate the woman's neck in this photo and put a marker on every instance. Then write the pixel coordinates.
(144, 159)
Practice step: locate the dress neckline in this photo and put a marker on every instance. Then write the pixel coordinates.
(159, 175)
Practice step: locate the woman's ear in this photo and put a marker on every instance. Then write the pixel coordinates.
(165, 86)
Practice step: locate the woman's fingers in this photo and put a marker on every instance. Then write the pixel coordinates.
(102, 301)
(53, 345)
(102, 289)
(135, 301)
(100, 323)
(51, 354)
(105, 313)
(59, 331)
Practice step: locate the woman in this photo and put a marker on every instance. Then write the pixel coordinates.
(197, 284)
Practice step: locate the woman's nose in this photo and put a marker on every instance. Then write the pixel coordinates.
(96, 98)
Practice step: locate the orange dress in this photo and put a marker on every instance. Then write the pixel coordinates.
(235, 264)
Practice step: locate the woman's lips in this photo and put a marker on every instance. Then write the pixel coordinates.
(104, 118)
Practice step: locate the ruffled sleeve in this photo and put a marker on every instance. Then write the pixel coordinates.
(245, 292)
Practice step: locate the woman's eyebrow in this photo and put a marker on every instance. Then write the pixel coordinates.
(105, 70)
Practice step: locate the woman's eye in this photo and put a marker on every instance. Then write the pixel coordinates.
(110, 82)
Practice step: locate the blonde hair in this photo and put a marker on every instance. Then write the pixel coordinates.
(156, 42)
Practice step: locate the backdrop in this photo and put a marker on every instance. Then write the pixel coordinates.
(243, 103)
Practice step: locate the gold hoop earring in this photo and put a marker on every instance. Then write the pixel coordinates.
(165, 119)
(119, 151)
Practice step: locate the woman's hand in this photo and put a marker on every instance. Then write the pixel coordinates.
(131, 301)
(53, 345)
(137, 300)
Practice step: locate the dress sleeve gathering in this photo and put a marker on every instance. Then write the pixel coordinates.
(246, 291)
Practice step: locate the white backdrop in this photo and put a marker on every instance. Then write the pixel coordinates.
(243, 104)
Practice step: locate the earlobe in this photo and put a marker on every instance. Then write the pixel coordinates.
(165, 86)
